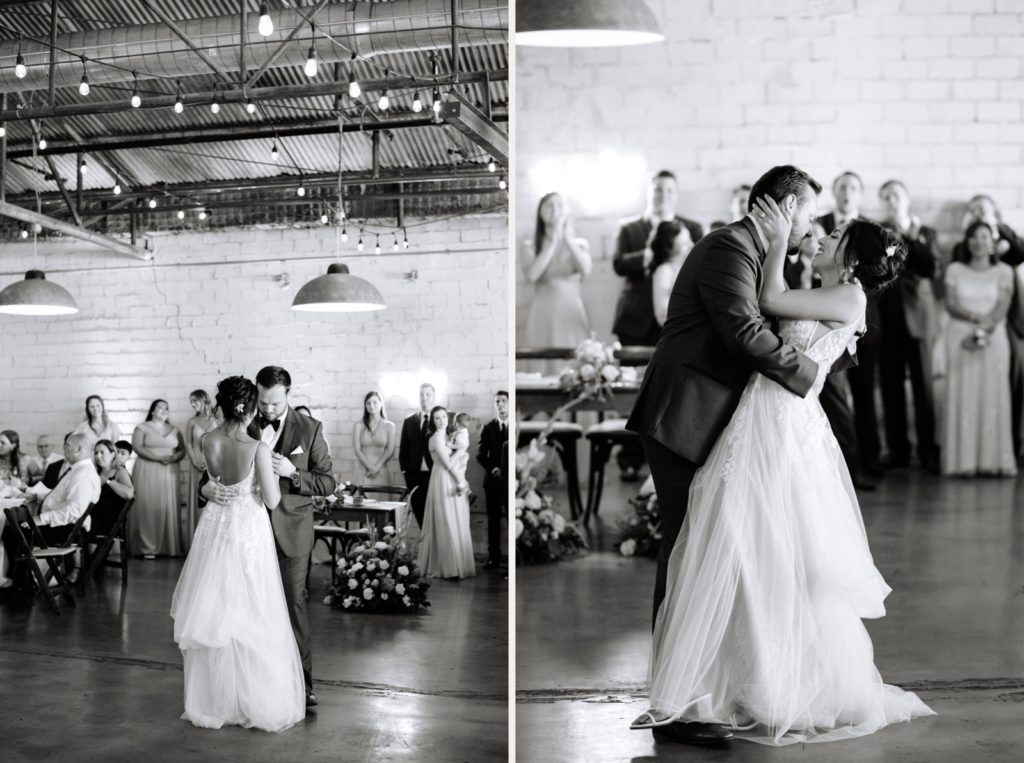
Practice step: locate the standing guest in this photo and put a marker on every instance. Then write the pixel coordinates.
(414, 456)
(670, 245)
(556, 261)
(115, 487)
(737, 206)
(97, 426)
(635, 323)
(373, 439)
(201, 422)
(1010, 249)
(976, 413)
(909, 320)
(446, 545)
(36, 467)
(153, 524)
(490, 455)
(13, 465)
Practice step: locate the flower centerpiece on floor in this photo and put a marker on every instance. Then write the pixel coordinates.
(641, 532)
(379, 575)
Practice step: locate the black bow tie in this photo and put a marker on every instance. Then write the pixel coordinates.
(264, 422)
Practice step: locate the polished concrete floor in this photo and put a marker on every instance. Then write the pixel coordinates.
(953, 552)
(103, 681)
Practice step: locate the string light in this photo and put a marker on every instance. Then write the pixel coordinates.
(266, 25)
(179, 106)
(359, 246)
(152, 203)
(301, 190)
(83, 86)
(20, 70)
(310, 67)
(136, 100)
(215, 106)
(491, 165)
(117, 186)
(405, 238)
(323, 218)
(502, 183)
(181, 214)
(384, 101)
(42, 143)
(24, 233)
(273, 152)
(417, 104)
(250, 106)
(354, 91)
(3, 130)
(202, 214)
(394, 246)
(344, 233)
(84, 167)
(376, 248)
(436, 105)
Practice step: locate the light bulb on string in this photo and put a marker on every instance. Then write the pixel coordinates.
(83, 86)
(20, 70)
(152, 203)
(354, 91)
(492, 165)
(3, 130)
(266, 25)
(136, 100)
(405, 239)
(344, 233)
(202, 214)
(502, 183)
(42, 143)
(359, 246)
(436, 105)
(417, 103)
(301, 190)
(215, 106)
(179, 106)
(117, 187)
(324, 219)
(384, 101)
(250, 106)
(83, 168)
(376, 248)
(181, 214)
(24, 233)
(310, 67)
(394, 245)
(273, 152)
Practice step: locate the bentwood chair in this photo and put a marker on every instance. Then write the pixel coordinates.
(104, 542)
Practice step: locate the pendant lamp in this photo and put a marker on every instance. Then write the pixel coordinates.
(36, 296)
(338, 292)
(585, 23)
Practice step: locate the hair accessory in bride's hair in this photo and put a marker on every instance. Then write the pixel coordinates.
(890, 250)
(240, 409)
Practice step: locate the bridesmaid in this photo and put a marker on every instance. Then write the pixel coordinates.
(373, 439)
(202, 422)
(96, 425)
(153, 522)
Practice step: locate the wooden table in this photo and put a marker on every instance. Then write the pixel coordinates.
(627, 356)
(543, 395)
(379, 513)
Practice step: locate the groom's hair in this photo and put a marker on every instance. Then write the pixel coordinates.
(271, 376)
(780, 182)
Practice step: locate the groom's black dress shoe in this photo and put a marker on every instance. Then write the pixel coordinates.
(701, 734)
(311, 699)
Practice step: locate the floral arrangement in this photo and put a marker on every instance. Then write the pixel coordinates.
(542, 534)
(591, 371)
(641, 533)
(379, 575)
(976, 340)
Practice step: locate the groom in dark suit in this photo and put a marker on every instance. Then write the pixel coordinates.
(303, 464)
(413, 456)
(713, 339)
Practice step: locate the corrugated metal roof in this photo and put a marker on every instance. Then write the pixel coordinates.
(405, 147)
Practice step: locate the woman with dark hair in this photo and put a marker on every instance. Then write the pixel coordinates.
(242, 663)
(202, 422)
(115, 488)
(153, 523)
(12, 463)
(976, 406)
(556, 261)
(373, 440)
(769, 579)
(446, 545)
(97, 426)
(670, 245)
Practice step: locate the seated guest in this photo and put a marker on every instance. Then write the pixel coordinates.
(976, 410)
(55, 471)
(115, 487)
(124, 451)
(13, 465)
(670, 245)
(72, 495)
(96, 425)
(37, 466)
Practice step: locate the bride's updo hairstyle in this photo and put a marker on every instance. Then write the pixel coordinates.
(236, 397)
(875, 254)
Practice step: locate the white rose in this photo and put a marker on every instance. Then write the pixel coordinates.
(389, 530)
(400, 589)
(347, 603)
(327, 600)
(533, 500)
(383, 564)
(367, 593)
(520, 504)
(610, 373)
(519, 527)
(587, 371)
(403, 570)
(627, 547)
(380, 545)
(353, 583)
(384, 596)
(407, 601)
(558, 523)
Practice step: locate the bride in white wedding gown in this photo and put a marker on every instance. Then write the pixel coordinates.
(231, 623)
(771, 575)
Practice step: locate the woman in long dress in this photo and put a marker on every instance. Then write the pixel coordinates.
(374, 442)
(670, 245)
(97, 425)
(556, 261)
(202, 422)
(977, 410)
(446, 545)
(231, 623)
(153, 523)
(771, 575)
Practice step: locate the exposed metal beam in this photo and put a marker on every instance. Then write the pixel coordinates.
(310, 90)
(28, 216)
(64, 191)
(230, 133)
(283, 45)
(53, 52)
(474, 124)
(214, 66)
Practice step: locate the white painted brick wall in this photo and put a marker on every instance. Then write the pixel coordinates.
(929, 91)
(211, 308)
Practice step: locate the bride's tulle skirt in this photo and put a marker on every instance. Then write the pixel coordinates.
(768, 584)
(231, 623)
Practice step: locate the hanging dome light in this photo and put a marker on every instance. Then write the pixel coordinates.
(338, 292)
(36, 296)
(597, 23)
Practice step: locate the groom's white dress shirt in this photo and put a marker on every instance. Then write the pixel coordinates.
(269, 435)
(72, 496)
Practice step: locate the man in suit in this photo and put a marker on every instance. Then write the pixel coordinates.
(635, 323)
(413, 456)
(492, 449)
(304, 467)
(909, 316)
(713, 339)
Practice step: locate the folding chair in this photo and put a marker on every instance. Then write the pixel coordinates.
(100, 558)
(32, 547)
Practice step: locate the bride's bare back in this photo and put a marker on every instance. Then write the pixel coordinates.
(229, 452)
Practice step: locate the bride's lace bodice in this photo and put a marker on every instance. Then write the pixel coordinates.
(239, 520)
(828, 347)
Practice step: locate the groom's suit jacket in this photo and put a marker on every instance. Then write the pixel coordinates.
(293, 518)
(713, 338)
